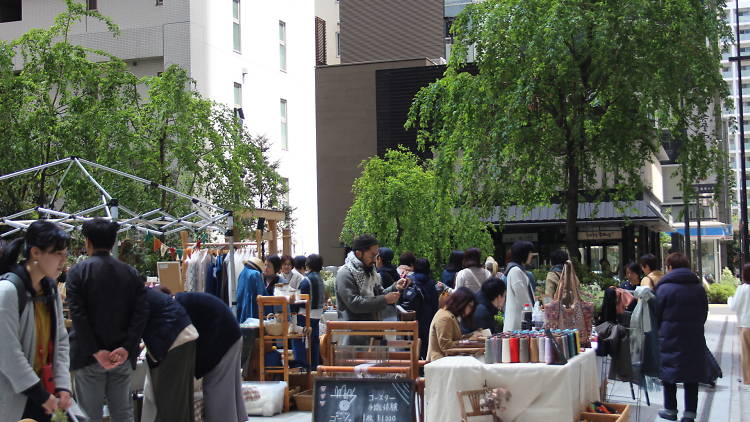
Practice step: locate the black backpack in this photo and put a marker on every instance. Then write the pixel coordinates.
(20, 290)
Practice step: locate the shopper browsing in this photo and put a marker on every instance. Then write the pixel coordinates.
(490, 299)
(32, 328)
(388, 273)
(557, 259)
(445, 331)
(740, 303)
(289, 273)
(217, 357)
(519, 288)
(681, 314)
(651, 269)
(359, 294)
(109, 310)
(170, 339)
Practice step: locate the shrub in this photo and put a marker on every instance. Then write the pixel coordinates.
(720, 292)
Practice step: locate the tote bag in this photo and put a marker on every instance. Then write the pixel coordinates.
(567, 310)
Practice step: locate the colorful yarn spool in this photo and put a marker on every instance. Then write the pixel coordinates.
(524, 350)
(489, 351)
(506, 350)
(534, 349)
(515, 350)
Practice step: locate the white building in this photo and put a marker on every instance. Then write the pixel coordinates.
(259, 56)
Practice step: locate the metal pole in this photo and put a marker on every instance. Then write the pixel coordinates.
(232, 277)
(114, 211)
(700, 250)
(743, 174)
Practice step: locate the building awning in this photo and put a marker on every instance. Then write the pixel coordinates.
(710, 230)
(642, 211)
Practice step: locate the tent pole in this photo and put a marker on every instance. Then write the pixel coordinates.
(232, 276)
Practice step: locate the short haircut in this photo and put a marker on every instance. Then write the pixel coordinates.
(458, 301)
(455, 261)
(364, 242)
(492, 288)
(299, 262)
(314, 262)
(407, 258)
(422, 266)
(746, 273)
(472, 258)
(102, 233)
(275, 260)
(386, 255)
(677, 260)
(558, 257)
(649, 260)
(287, 258)
(520, 251)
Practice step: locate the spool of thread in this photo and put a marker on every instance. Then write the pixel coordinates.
(498, 346)
(534, 349)
(515, 350)
(578, 340)
(489, 351)
(524, 350)
(506, 350)
(562, 343)
(573, 343)
(542, 345)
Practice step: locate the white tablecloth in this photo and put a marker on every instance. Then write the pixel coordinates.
(539, 392)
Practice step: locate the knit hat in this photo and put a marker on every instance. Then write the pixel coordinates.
(255, 262)
(364, 242)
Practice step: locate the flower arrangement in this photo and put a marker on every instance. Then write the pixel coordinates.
(493, 401)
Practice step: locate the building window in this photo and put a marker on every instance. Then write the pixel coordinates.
(338, 44)
(237, 95)
(282, 45)
(91, 5)
(284, 126)
(10, 11)
(236, 30)
(320, 42)
(285, 181)
(160, 2)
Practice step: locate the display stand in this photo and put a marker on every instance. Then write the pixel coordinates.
(282, 303)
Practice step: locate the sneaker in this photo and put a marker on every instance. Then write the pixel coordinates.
(668, 414)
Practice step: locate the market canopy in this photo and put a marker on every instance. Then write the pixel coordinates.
(202, 215)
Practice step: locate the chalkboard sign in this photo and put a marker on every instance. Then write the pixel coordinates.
(363, 400)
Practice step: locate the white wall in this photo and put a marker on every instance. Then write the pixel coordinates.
(216, 67)
(328, 10)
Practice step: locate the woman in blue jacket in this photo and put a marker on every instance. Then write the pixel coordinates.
(681, 314)
(422, 297)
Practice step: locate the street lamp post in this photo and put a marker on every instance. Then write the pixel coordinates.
(700, 250)
(743, 183)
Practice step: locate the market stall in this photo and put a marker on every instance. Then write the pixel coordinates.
(539, 392)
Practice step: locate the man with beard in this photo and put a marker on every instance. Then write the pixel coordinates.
(359, 293)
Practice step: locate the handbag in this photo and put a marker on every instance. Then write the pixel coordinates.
(575, 315)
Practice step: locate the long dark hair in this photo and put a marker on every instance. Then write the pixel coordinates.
(746, 273)
(47, 236)
(455, 262)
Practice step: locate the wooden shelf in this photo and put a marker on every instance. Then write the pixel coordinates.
(283, 301)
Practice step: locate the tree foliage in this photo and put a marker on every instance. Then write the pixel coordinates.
(69, 100)
(396, 200)
(566, 99)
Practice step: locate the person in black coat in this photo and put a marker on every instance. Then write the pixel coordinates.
(217, 356)
(170, 338)
(490, 300)
(421, 296)
(384, 265)
(682, 309)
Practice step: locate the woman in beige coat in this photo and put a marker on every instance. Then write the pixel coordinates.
(445, 331)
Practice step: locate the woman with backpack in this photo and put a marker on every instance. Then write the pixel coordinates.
(35, 362)
(422, 298)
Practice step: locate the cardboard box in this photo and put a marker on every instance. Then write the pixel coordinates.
(623, 414)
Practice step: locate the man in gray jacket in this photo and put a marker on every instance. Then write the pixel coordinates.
(359, 293)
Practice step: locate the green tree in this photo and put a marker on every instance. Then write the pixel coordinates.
(69, 100)
(566, 98)
(396, 200)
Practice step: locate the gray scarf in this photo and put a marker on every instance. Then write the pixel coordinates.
(366, 280)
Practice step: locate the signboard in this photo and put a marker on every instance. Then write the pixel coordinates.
(600, 235)
(363, 400)
(515, 237)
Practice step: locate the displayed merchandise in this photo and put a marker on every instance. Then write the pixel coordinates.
(532, 346)
(567, 310)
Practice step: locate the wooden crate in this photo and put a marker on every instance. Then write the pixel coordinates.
(623, 414)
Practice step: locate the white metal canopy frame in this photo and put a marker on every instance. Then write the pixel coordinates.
(204, 216)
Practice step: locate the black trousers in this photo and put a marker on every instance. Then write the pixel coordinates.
(691, 396)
